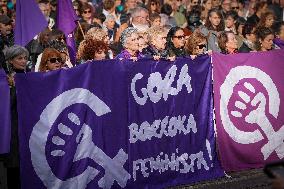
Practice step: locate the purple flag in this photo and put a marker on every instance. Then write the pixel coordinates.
(113, 124)
(66, 22)
(5, 120)
(249, 96)
(29, 21)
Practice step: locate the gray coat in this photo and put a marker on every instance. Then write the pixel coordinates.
(212, 39)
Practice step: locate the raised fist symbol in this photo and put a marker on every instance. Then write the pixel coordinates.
(257, 115)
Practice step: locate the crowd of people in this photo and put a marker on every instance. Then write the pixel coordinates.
(136, 29)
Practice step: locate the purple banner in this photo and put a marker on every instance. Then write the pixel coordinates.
(5, 119)
(29, 21)
(66, 22)
(117, 124)
(248, 93)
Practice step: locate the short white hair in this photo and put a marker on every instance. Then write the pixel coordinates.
(136, 11)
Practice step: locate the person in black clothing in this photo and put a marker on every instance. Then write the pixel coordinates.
(16, 59)
(260, 8)
(6, 31)
(250, 39)
(176, 42)
(157, 43)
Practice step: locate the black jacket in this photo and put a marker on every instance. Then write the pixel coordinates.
(244, 48)
(151, 51)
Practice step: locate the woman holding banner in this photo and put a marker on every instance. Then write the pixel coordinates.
(16, 57)
(92, 50)
(51, 60)
(265, 37)
(196, 44)
(129, 39)
(157, 43)
(227, 42)
(176, 42)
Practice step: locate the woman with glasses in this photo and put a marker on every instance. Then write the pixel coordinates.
(196, 44)
(86, 13)
(213, 26)
(227, 42)
(176, 42)
(130, 43)
(50, 60)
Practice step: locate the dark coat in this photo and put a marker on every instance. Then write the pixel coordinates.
(151, 51)
(244, 48)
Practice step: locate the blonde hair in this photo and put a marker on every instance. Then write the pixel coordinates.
(154, 31)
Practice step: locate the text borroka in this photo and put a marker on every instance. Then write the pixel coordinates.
(157, 88)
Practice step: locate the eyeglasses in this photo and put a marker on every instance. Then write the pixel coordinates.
(201, 46)
(54, 60)
(88, 11)
(179, 37)
(235, 8)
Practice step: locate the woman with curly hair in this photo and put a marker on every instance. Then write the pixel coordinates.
(267, 20)
(196, 44)
(92, 50)
(50, 60)
(227, 42)
(130, 43)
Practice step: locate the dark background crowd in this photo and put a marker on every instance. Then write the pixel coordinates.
(135, 29)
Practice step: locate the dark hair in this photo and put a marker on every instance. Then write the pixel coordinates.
(233, 14)
(100, 16)
(154, 16)
(208, 24)
(193, 17)
(170, 44)
(259, 5)
(148, 6)
(108, 4)
(261, 34)
(277, 27)
(223, 39)
(166, 9)
(84, 7)
(248, 28)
